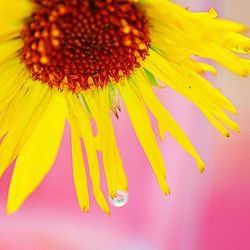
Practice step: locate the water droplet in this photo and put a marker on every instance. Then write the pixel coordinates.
(120, 200)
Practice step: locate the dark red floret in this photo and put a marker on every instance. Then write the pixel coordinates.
(82, 44)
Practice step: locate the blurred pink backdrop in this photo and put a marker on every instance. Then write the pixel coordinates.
(209, 211)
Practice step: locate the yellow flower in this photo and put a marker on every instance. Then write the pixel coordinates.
(71, 60)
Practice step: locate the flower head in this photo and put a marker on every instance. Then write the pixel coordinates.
(75, 59)
(80, 45)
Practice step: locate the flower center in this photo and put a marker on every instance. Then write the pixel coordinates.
(77, 45)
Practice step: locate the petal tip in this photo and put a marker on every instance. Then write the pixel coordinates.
(11, 209)
(167, 191)
(202, 169)
(107, 213)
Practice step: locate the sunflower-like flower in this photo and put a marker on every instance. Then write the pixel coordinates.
(73, 60)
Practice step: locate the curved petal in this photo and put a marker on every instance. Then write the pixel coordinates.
(37, 155)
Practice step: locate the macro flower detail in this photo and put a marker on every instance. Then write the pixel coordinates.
(74, 60)
(79, 45)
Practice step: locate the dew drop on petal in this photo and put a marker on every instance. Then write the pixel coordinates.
(120, 200)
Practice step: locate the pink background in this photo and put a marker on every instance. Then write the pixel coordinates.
(209, 211)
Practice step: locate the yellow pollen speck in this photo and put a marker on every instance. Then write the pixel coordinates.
(112, 79)
(44, 60)
(37, 34)
(53, 16)
(126, 29)
(65, 80)
(142, 46)
(137, 54)
(51, 77)
(90, 81)
(28, 55)
(36, 68)
(135, 32)
(45, 34)
(137, 40)
(41, 47)
(139, 60)
(55, 43)
(34, 46)
(55, 32)
(127, 41)
(120, 73)
(124, 23)
(78, 87)
(62, 10)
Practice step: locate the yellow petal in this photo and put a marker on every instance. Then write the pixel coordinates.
(79, 172)
(166, 122)
(38, 154)
(12, 16)
(13, 76)
(99, 104)
(86, 133)
(20, 119)
(15, 9)
(192, 86)
(141, 123)
(9, 49)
